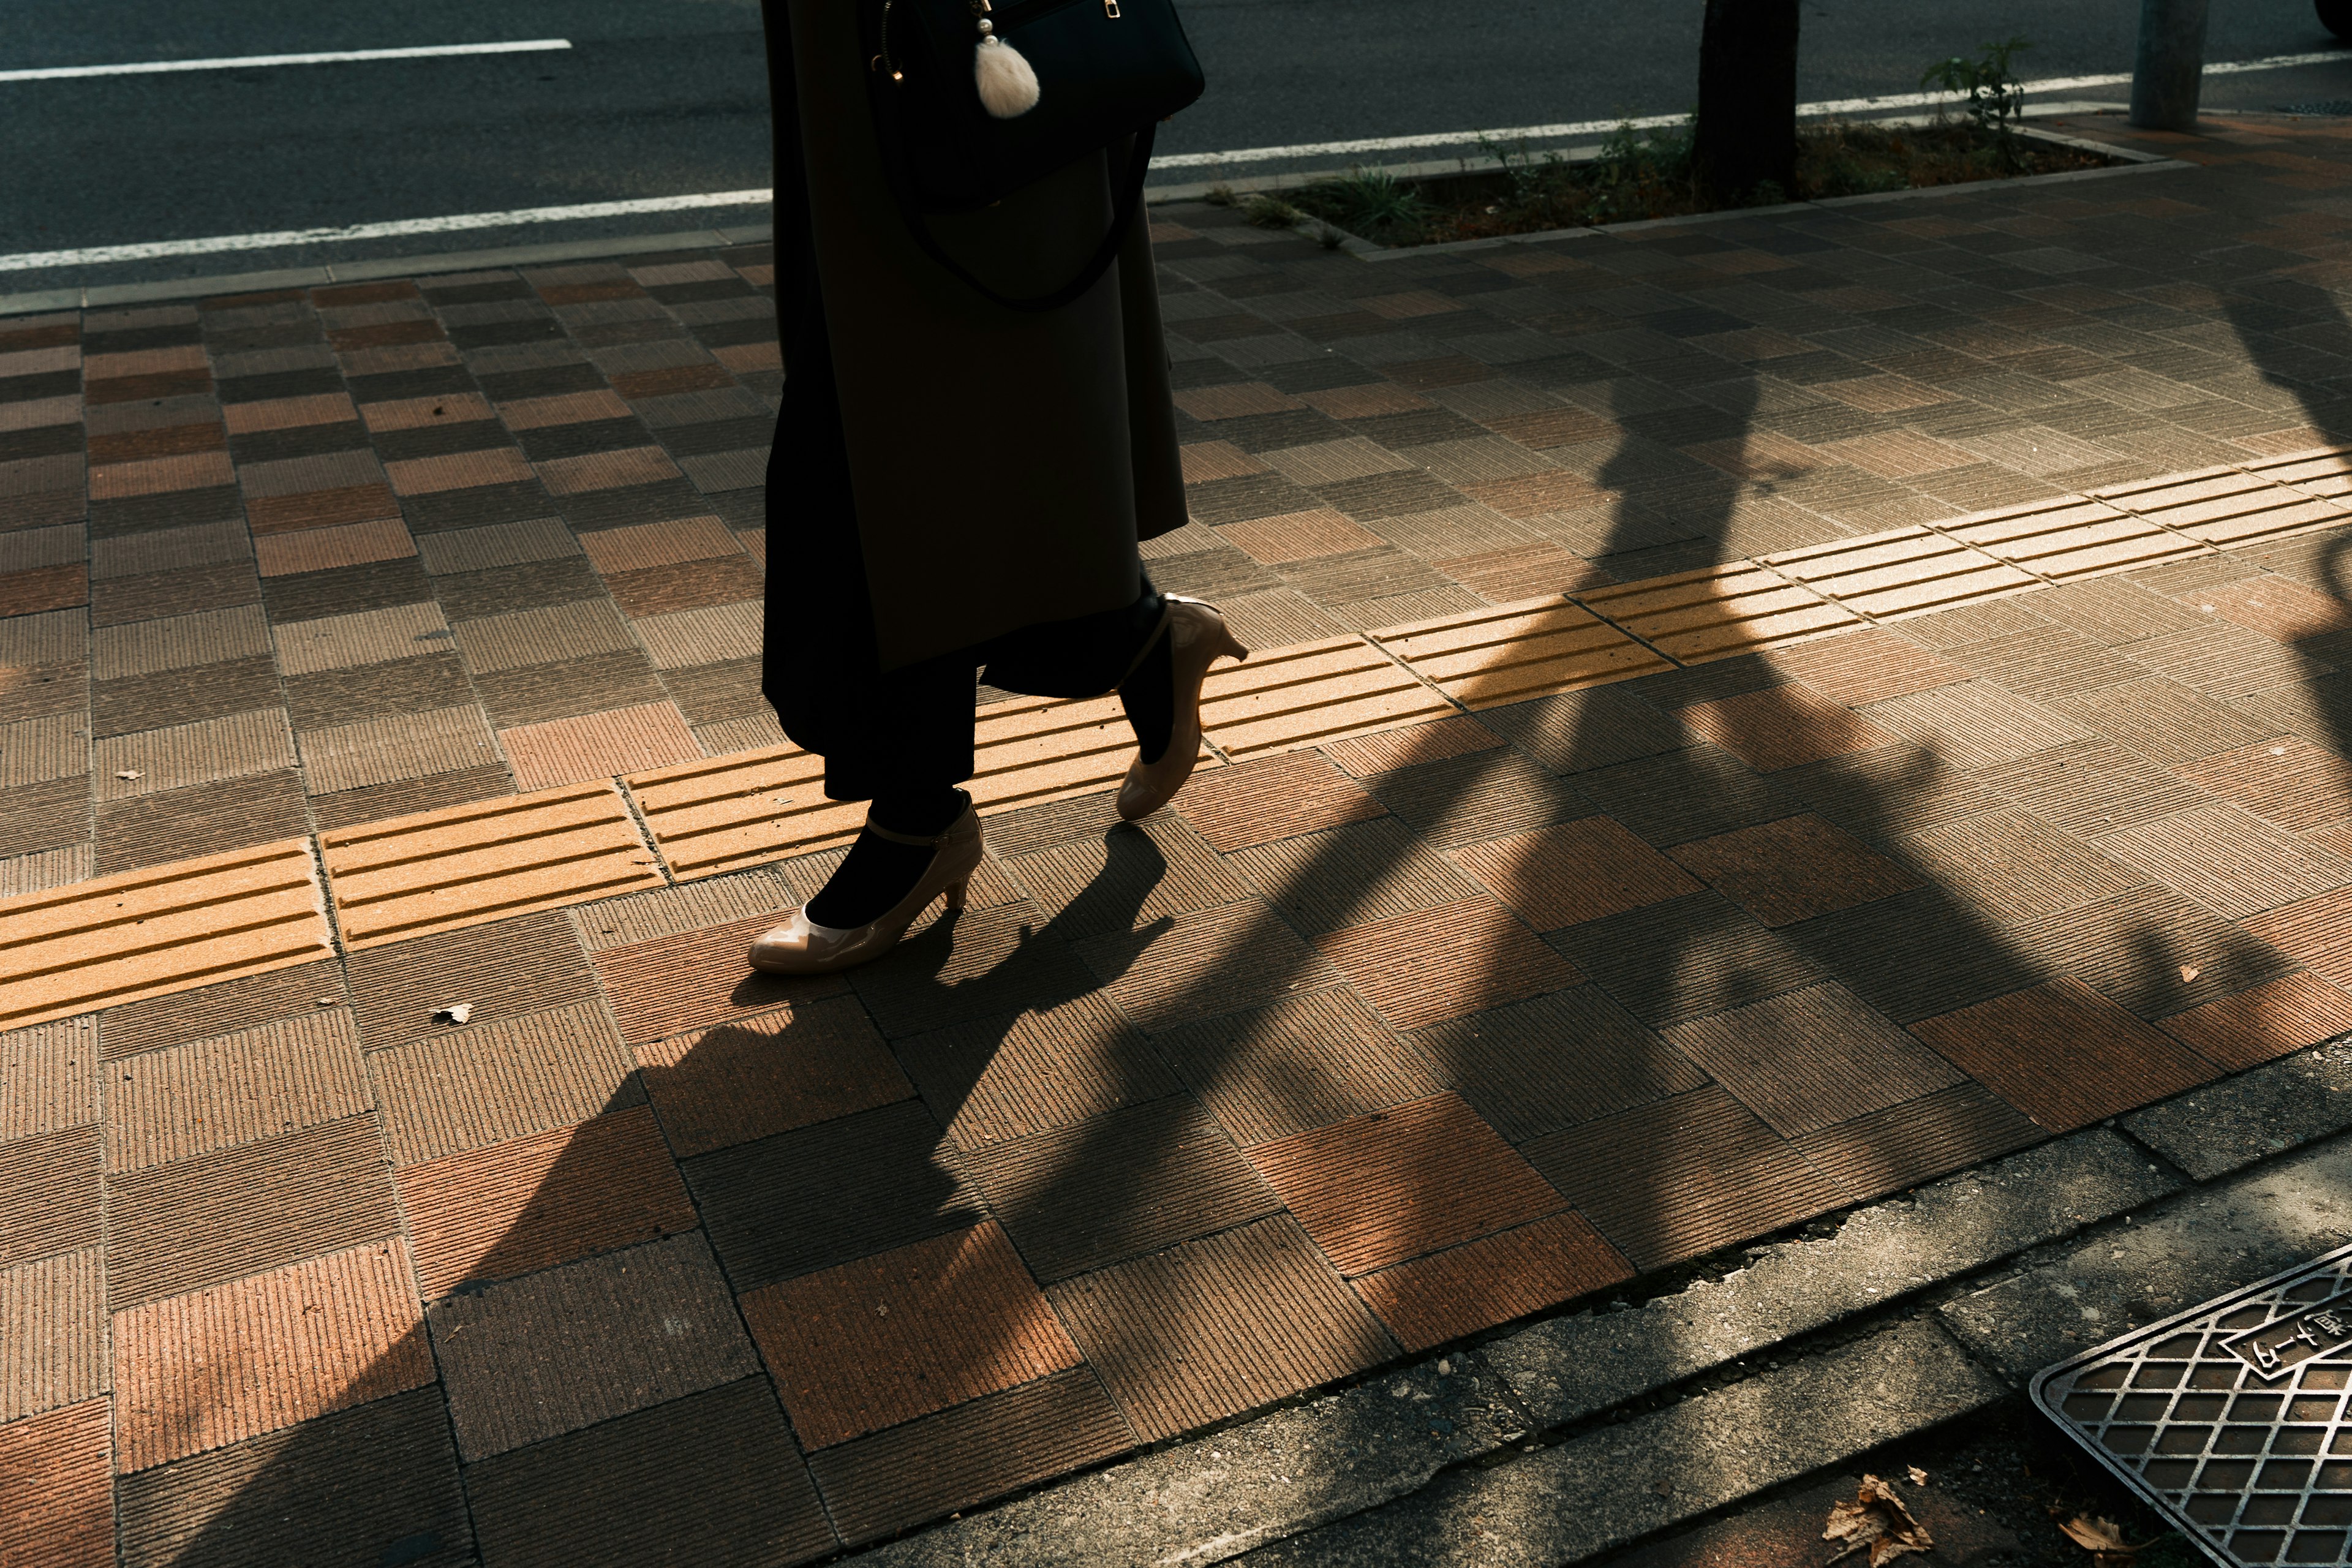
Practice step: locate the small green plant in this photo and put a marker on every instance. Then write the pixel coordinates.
(1369, 202)
(1996, 97)
(1221, 196)
(1269, 212)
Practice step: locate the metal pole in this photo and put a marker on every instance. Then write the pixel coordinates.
(2171, 60)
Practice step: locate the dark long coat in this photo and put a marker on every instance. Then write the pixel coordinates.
(946, 469)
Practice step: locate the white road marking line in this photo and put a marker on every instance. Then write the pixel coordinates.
(456, 223)
(336, 56)
(1655, 122)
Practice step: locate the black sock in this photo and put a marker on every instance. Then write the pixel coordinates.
(1148, 695)
(878, 873)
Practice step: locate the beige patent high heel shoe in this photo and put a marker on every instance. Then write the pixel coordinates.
(1197, 638)
(801, 946)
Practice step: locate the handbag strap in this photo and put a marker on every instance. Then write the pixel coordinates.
(1130, 198)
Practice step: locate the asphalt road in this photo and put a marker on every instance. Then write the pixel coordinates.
(668, 98)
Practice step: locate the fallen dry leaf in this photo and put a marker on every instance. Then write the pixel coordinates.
(1918, 1477)
(1876, 1521)
(2104, 1540)
(455, 1012)
(129, 775)
(2190, 972)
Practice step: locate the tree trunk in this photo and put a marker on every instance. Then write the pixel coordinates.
(1748, 97)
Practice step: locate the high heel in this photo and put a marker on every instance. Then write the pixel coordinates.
(1197, 638)
(801, 946)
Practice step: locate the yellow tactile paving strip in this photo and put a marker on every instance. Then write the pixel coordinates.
(492, 860)
(162, 929)
(194, 923)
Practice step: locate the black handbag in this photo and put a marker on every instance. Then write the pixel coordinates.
(1063, 78)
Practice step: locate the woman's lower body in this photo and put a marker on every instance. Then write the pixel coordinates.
(912, 747)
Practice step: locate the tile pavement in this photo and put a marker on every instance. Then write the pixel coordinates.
(1921, 766)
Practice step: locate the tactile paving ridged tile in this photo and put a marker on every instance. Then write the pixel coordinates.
(1286, 699)
(216, 1366)
(469, 864)
(868, 1344)
(166, 928)
(1717, 612)
(1493, 1279)
(284, 1497)
(612, 1493)
(2227, 507)
(542, 1200)
(1904, 572)
(1218, 1326)
(2061, 541)
(60, 1506)
(1530, 650)
(554, 1351)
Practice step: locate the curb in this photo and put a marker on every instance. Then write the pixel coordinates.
(96, 296)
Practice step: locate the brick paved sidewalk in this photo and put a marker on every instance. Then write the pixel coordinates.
(1517, 947)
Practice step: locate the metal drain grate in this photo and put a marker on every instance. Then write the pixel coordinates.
(2229, 1419)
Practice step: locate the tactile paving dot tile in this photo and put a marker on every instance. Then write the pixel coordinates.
(1903, 572)
(868, 1344)
(470, 865)
(1048, 1067)
(1574, 871)
(536, 1357)
(57, 1510)
(612, 1490)
(1379, 1189)
(1283, 699)
(1682, 1177)
(542, 1200)
(1782, 726)
(1491, 1280)
(1808, 1060)
(769, 1073)
(2251, 1027)
(1219, 1326)
(2072, 538)
(970, 1454)
(1271, 798)
(1533, 648)
(1717, 612)
(149, 932)
(2063, 1054)
(216, 1366)
(1793, 869)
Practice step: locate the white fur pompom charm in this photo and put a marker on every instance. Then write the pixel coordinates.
(1008, 88)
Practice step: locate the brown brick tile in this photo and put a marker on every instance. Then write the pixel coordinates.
(687, 586)
(1442, 962)
(49, 1194)
(1389, 750)
(542, 1200)
(1579, 730)
(1128, 878)
(1675, 796)
(2288, 781)
(1782, 726)
(46, 588)
(1573, 872)
(536, 1357)
(1050, 1067)
(769, 1073)
(2062, 1053)
(509, 969)
(2229, 861)
(53, 1340)
(1379, 1189)
(208, 1095)
(2046, 662)
(1793, 869)
(1219, 1326)
(2090, 788)
(970, 1454)
(986, 963)
(1491, 1280)
(2317, 931)
(1237, 955)
(1132, 1181)
(458, 470)
(1506, 1062)
(1807, 1059)
(496, 1079)
(285, 1495)
(2166, 723)
(646, 545)
(869, 1345)
(48, 1079)
(569, 689)
(1918, 1140)
(597, 745)
(2011, 864)
(1976, 725)
(1297, 1064)
(226, 1008)
(2250, 1027)
(2279, 607)
(678, 909)
(1682, 1176)
(1291, 536)
(319, 549)
(612, 1490)
(1271, 798)
(2107, 945)
(1521, 572)
(260, 1205)
(1685, 958)
(55, 1503)
(219, 1365)
(1481, 796)
(606, 470)
(830, 1194)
